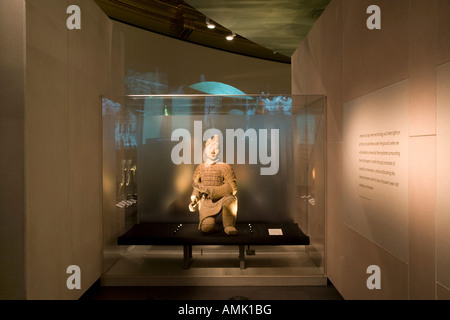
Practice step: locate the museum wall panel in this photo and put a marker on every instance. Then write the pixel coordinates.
(330, 57)
(373, 60)
(89, 77)
(310, 81)
(111, 221)
(331, 40)
(442, 179)
(334, 235)
(48, 227)
(422, 200)
(375, 180)
(358, 253)
(12, 139)
(443, 32)
(422, 161)
(412, 41)
(67, 71)
(442, 293)
(299, 80)
(423, 67)
(306, 77)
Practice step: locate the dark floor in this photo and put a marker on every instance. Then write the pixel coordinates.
(328, 292)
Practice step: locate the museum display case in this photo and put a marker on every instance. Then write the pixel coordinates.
(275, 145)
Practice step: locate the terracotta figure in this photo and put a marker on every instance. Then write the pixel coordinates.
(214, 191)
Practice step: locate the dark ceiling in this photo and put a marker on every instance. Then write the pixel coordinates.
(267, 29)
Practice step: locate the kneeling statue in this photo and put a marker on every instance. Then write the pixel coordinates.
(214, 191)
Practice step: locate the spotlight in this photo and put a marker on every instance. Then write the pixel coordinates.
(230, 37)
(209, 24)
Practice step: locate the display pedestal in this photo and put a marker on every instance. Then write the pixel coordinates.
(188, 235)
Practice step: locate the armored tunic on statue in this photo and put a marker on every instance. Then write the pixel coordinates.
(216, 185)
(214, 191)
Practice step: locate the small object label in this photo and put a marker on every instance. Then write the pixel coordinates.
(275, 232)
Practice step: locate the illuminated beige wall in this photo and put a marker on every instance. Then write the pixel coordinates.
(443, 178)
(12, 165)
(351, 64)
(375, 167)
(66, 72)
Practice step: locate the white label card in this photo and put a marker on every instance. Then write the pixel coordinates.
(275, 232)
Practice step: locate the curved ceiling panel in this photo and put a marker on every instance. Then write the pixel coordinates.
(267, 29)
(279, 25)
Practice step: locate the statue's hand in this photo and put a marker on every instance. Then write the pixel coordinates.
(193, 204)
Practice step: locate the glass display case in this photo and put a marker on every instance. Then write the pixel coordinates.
(152, 145)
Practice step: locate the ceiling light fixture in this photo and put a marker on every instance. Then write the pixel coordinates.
(209, 24)
(230, 36)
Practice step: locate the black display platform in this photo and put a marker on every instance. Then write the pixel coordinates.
(187, 235)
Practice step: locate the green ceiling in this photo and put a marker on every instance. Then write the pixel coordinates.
(279, 25)
(267, 29)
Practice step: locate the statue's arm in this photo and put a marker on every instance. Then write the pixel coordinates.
(196, 182)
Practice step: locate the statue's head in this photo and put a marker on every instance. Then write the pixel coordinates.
(212, 147)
